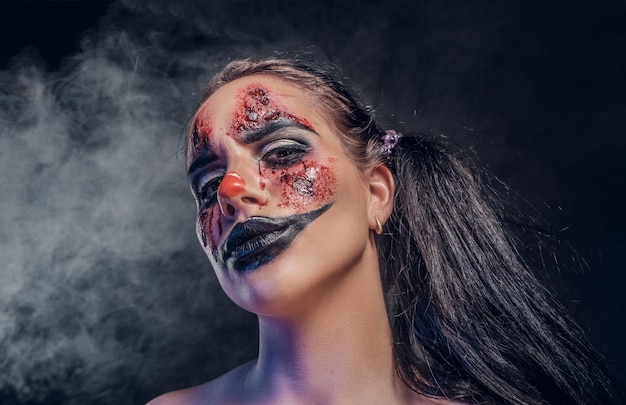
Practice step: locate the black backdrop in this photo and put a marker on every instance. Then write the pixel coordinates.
(105, 296)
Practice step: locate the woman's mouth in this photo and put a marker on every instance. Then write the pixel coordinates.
(259, 240)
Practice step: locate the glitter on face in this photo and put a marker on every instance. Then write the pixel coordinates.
(256, 108)
(302, 187)
(305, 185)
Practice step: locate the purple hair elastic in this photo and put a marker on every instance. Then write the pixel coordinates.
(390, 140)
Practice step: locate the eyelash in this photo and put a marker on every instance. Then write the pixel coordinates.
(207, 191)
(283, 153)
(278, 154)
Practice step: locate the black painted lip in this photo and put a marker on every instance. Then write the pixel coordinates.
(259, 240)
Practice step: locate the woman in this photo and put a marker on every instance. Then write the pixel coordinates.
(379, 267)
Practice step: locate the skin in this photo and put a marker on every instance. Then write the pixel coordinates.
(323, 329)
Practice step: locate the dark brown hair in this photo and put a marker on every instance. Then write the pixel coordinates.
(352, 119)
(470, 321)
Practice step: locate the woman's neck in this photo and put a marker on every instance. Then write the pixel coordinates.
(338, 350)
(335, 349)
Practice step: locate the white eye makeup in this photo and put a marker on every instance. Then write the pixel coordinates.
(207, 186)
(280, 146)
(283, 153)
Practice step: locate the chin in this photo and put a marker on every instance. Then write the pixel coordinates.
(274, 288)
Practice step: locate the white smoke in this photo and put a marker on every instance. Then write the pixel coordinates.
(99, 259)
(105, 294)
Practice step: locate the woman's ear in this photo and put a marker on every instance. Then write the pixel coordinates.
(381, 194)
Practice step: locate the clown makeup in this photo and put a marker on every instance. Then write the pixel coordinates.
(259, 240)
(256, 108)
(262, 148)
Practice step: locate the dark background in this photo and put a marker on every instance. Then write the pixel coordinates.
(105, 295)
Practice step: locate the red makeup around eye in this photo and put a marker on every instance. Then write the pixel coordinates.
(255, 106)
(307, 185)
(302, 187)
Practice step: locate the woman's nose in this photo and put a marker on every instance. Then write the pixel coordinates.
(231, 185)
(234, 194)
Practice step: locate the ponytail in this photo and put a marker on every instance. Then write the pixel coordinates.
(470, 321)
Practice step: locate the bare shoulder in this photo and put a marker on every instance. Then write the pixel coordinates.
(224, 389)
(188, 396)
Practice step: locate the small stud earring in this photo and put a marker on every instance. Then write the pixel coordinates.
(379, 227)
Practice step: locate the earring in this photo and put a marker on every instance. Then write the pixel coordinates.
(379, 227)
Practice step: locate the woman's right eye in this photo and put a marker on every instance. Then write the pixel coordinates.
(283, 153)
(207, 189)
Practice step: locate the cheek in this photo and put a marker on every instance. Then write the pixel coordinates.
(209, 228)
(307, 185)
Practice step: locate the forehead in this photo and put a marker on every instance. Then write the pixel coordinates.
(248, 104)
(256, 98)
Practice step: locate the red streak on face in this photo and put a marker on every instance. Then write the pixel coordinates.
(200, 132)
(210, 228)
(231, 186)
(201, 220)
(256, 107)
(306, 185)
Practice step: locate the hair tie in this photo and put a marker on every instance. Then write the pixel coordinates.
(390, 140)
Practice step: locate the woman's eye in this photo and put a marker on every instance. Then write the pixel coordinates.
(207, 189)
(283, 153)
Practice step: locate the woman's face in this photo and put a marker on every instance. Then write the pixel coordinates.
(282, 210)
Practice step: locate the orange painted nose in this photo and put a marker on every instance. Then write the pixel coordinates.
(232, 185)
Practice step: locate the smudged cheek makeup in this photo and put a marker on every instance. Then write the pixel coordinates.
(306, 190)
(302, 185)
(209, 228)
(307, 184)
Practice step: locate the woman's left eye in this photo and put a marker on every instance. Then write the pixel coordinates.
(283, 153)
(207, 189)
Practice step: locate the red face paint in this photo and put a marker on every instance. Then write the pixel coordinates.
(231, 186)
(200, 133)
(210, 227)
(256, 107)
(307, 185)
(303, 187)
